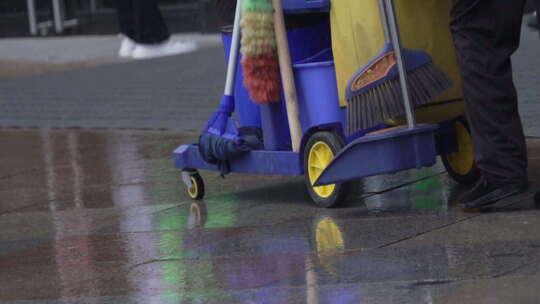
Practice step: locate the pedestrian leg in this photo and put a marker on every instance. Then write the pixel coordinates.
(150, 26)
(126, 20)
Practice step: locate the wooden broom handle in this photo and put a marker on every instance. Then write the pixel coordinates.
(287, 76)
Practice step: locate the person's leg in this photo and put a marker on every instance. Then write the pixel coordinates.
(152, 37)
(150, 28)
(126, 21)
(225, 10)
(530, 6)
(486, 33)
(126, 27)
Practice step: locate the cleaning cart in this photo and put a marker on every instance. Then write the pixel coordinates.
(327, 155)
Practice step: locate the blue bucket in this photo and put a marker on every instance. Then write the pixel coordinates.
(304, 42)
(247, 112)
(318, 98)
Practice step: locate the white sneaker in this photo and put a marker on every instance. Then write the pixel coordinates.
(126, 47)
(144, 51)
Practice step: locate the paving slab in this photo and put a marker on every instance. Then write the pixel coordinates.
(79, 48)
(100, 216)
(93, 89)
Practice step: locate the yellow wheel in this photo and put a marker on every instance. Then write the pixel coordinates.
(319, 158)
(320, 150)
(460, 164)
(196, 191)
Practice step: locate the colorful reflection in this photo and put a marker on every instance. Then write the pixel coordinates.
(174, 246)
(254, 276)
(108, 202)
(397, 192)
(424, 194)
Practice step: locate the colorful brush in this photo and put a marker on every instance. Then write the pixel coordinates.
(260, 63)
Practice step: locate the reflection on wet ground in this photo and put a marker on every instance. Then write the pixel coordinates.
(101, 217)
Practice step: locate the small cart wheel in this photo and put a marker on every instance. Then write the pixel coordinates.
(460, 165)
(320, 150)
(196, 191)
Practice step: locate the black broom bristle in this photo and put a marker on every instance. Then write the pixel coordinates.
(385, 101)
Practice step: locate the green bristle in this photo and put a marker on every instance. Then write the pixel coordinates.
(257, 33)
(257, 5)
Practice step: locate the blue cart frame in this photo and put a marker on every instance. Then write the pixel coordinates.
(379, 150)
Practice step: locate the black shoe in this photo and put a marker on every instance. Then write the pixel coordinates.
(485, 194)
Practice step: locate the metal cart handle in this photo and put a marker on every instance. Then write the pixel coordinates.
(391, 32)
(233, 54)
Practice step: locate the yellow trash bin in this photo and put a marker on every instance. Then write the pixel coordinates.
(357, 37)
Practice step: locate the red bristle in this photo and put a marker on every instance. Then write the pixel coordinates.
(261, 77)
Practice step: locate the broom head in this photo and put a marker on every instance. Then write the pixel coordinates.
(374, 93)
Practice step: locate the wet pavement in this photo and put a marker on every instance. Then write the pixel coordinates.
(89, 214)
(98, 216)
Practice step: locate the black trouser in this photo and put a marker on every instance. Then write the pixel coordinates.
(531, 6)
(486, 33)
(142, 21)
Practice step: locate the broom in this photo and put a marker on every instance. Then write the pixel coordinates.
(374, 93)
(287, 75)
(260, 64)
(220, 121)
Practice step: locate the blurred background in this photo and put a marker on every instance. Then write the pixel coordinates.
(88, 17)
